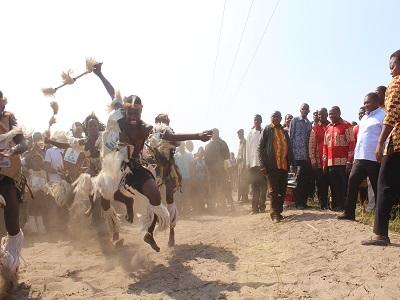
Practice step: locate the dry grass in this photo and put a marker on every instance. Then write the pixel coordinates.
(368, 218)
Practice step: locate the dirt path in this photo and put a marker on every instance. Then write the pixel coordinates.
(308, 256)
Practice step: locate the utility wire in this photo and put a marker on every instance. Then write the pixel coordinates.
(238, 46)
(218, 46)
(256, 50)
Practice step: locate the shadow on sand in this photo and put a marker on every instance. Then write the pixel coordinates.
(177, 280)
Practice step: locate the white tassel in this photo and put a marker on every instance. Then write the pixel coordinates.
(108, 180)
(162, 217)
(112, 220)
(83, 186)
(173, 214)
(61, 192)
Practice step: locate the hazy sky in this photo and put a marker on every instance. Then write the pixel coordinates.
(324, 52)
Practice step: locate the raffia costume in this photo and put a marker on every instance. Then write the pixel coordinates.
(13, 182)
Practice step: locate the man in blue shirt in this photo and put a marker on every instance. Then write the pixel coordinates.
(299, 132)
(365, 163)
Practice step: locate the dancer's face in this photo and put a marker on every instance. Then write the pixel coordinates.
(93, 127)
(133, 115)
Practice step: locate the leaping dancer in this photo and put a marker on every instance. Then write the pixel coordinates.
(133, 132)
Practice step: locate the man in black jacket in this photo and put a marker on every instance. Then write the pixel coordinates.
(276, 156)
(216, 153)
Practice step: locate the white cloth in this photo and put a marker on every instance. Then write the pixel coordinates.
(110, 137)
(55, 157)
(253, 141)
(368, 134)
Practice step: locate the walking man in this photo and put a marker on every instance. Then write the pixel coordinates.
(257, 180)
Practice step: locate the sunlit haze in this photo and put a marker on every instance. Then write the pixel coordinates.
(321, 52)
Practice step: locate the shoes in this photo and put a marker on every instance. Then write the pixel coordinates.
(337, 209)
(324, 208)
(276, 218)
(262, 211)
(381, 241)
(254, 212)
(346, 217)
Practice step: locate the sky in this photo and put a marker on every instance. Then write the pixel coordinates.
(173, 55)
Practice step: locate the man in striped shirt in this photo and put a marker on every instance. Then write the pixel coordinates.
(275, 155)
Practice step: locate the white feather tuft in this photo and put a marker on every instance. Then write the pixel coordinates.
(49, 92)
(67, 78)
(90, 63)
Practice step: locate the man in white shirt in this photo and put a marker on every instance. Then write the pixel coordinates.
(365, 163)
(243, 184)
(54, 160)
(257, 179)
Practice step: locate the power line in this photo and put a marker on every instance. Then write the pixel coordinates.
(256, 49)
(238, 46)
(218, 46)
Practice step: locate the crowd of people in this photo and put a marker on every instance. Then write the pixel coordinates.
(62, 175)
(337, 160)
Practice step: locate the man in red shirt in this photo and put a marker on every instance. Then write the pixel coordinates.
(338, 155)
(316, 148)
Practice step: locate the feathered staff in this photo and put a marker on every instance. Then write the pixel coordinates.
(54, 107)
(67, 78)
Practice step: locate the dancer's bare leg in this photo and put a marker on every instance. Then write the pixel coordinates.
(128, 201)
(151, 191)
(112, 222)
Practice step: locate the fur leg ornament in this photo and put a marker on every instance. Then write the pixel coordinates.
(173, 213)
(162, 216)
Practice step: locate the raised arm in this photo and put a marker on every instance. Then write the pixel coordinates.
(106, 83)
(20, 143)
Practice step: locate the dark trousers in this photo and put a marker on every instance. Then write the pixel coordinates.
(277, 185)
(305, 182)
(388, 192)
(220, 191)
(11, 211)
(259, 188)
(360, 171)
(243, 185)
(322, 182)
(338, 185)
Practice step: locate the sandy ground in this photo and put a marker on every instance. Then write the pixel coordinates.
(310, 255)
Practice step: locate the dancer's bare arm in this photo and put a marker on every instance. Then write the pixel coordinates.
(106, 83)
(173, 137)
